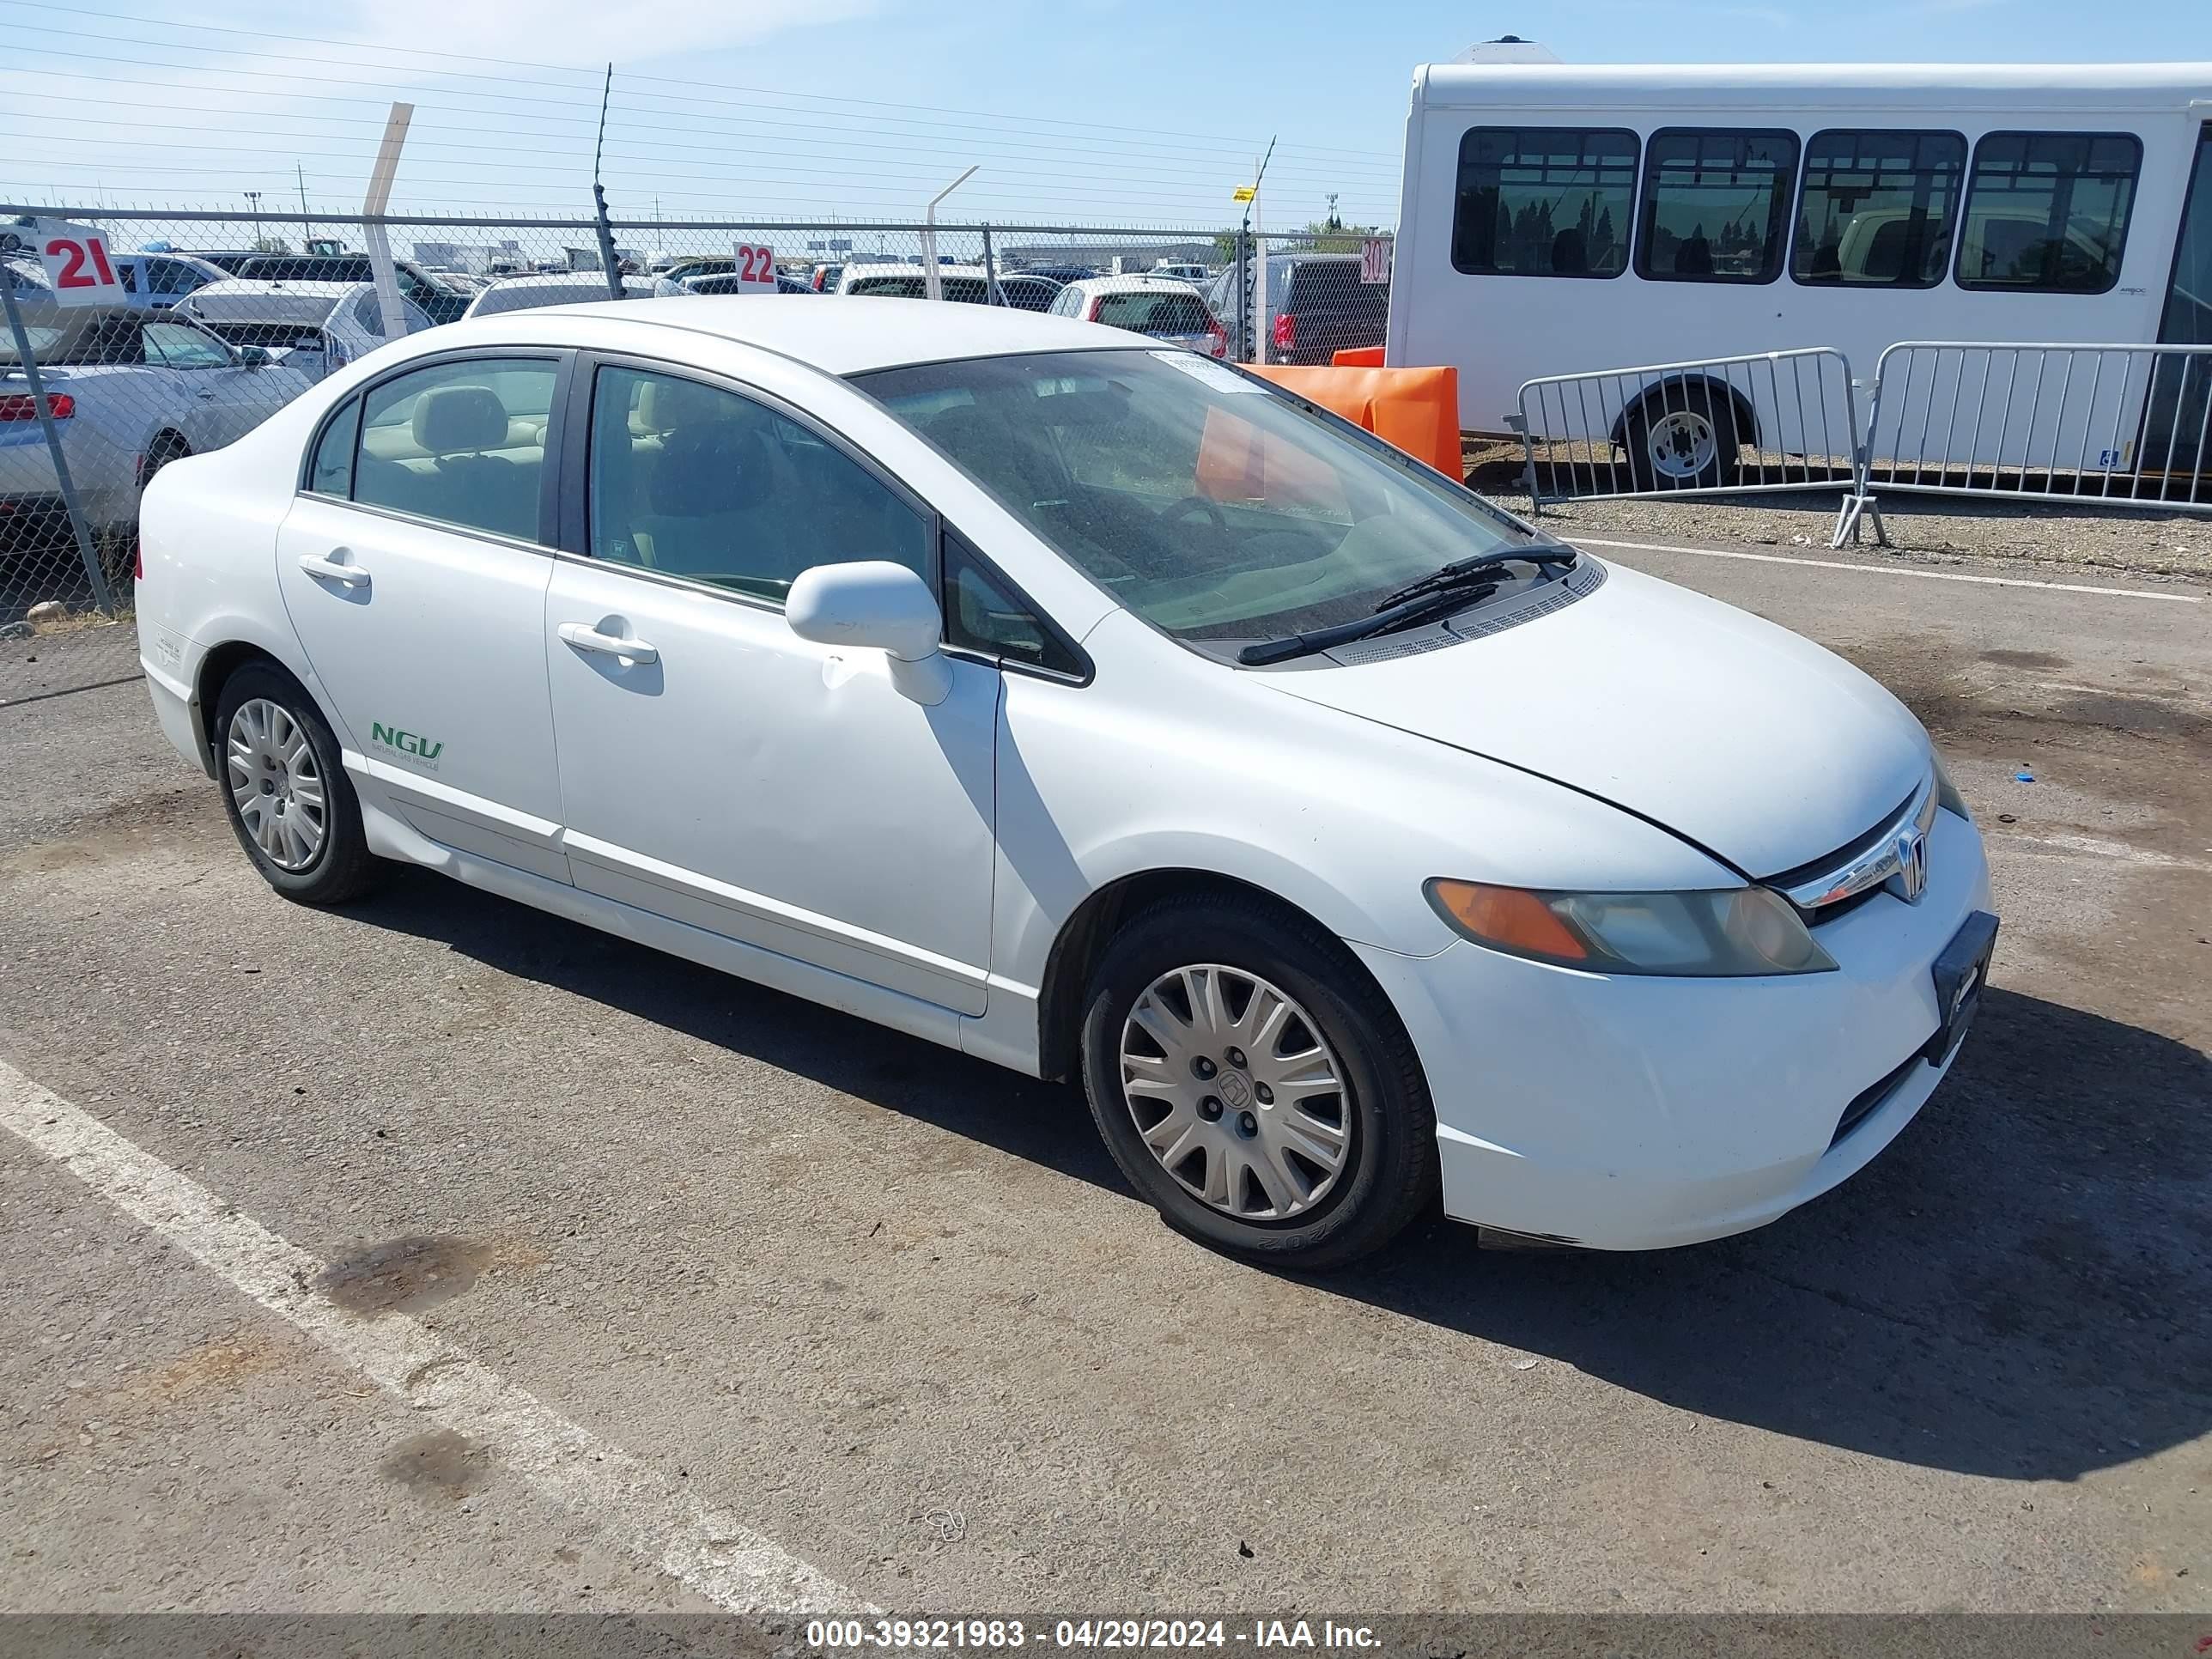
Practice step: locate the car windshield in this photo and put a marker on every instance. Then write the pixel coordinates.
(1210, 504)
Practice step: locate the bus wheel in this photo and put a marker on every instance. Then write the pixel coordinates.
(1681, 448)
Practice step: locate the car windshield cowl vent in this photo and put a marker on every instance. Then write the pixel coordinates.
(1538, 600)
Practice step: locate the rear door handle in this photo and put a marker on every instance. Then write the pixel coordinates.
(585, 637)
(346, 576)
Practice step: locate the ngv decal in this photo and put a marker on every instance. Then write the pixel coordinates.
(405, 743)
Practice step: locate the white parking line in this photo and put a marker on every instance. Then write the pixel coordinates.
(1894, 570)
(633, 1506)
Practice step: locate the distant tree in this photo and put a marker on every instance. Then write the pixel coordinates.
(271, 245)
(1333, 235)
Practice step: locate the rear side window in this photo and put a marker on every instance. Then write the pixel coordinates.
(1715, 204)
(1878, 208)
(460, 442)
(330, 470)
(1543, 201)
(2047, 212)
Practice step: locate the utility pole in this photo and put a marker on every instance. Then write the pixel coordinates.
(306, 230)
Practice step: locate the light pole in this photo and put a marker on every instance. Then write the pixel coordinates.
(254, 203)
(933, 286)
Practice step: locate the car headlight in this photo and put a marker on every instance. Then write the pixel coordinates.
(1946, 793)
(1726, 933)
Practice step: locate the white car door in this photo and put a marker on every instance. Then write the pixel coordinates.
(225, 399)
(414, 565)
(715, 768)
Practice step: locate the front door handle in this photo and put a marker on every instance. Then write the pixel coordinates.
(585, 637)
(331, 569)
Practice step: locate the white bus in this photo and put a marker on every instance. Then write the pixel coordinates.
(1557, 219)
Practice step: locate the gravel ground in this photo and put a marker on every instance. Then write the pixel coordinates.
(2142, 541)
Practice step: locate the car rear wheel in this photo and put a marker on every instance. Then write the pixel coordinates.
(1253, 1086)
(1682, 443)
(285, 790)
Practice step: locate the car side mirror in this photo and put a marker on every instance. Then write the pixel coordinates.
(874, 604)
(254, 357)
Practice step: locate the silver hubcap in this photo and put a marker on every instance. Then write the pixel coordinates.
(1237, 1093)
(1682, 444)
(276, 784)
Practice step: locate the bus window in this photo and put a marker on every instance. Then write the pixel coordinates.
(1543, 201)
(2047, 212)
(1878, 208)
(1715, 205)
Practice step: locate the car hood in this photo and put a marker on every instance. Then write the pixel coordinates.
(1745, 739)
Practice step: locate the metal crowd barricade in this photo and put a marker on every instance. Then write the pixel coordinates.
(1762, 423)
(2093, 424)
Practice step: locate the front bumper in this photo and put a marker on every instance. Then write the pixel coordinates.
(1631, 1113)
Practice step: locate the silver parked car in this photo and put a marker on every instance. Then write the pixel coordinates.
(129, 392)
(316, 327)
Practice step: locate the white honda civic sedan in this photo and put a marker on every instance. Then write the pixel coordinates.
(1094, 708)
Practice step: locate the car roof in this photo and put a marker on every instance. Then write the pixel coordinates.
(261, 295)
(911, 269)
(854, 339)
(1134, 282)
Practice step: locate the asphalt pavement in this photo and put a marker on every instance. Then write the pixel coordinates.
(435, 1254)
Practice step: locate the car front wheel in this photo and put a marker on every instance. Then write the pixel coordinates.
(1253, 1086)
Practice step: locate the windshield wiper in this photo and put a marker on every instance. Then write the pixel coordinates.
(1482, 567)
(1407, 613)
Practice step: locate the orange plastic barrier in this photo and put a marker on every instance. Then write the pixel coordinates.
(1359, 357)
(1417, 409)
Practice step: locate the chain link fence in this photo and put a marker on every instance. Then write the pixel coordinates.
(221, 320)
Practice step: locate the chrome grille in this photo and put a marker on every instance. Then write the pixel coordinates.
(1893, 855)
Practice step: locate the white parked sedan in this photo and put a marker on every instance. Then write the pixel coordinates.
(1093, 708)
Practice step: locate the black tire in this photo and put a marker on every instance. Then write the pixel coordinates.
(1700, 407)
(341, 868)
(1389, 1174)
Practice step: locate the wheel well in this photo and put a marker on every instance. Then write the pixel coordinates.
(215, 669)
(1690, 391)
(1084, 936)
(167, 436)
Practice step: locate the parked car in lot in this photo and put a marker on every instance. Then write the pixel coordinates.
(726, 282)
(231, 260)
(1061, 273)
(1026, 290)
(157, 281)
(1165, 307)
(129, 392)
(1317, 306)
(823, 278)
(1097, 709)
(961, 283)
(440, 303)
(552, 288)
(1183, 271)
(315, 327)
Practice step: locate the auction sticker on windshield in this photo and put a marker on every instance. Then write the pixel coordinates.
(1206, 369)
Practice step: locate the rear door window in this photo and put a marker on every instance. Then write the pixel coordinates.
(462, 443)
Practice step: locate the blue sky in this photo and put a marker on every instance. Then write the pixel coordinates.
(1130, 111)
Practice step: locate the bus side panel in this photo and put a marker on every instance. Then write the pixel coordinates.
(1500, 332)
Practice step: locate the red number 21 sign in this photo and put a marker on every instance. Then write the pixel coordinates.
(78, 266)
